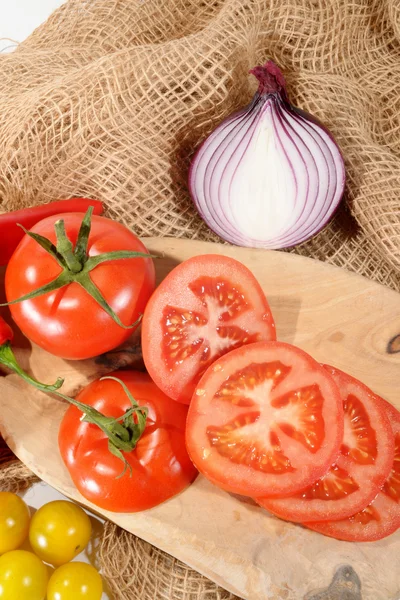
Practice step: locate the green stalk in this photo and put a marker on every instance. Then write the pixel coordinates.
(66, 249)
(122, 437)
(7, 358)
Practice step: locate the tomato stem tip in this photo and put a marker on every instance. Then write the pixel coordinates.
(122, 437)
(7, 358)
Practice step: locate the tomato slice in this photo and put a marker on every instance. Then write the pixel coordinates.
(364, 463)
(265, 420)
(382, 516)
(207, 306)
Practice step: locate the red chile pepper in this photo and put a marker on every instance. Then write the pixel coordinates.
(8, 359)
(11, 234)
(6, 333)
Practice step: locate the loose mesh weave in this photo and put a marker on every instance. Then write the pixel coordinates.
(108, 99)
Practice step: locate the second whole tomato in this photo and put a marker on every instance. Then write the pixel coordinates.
(69, 321)
(158, 465)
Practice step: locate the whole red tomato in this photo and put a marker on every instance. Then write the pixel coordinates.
(69, 322)
(159, 465)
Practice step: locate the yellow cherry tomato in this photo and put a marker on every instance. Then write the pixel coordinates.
(14, 521)
(23, 576)
(59, 531)
(75, 581)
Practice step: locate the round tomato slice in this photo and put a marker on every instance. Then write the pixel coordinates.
(265, 420)
(382, 516)
(207, 306)
(364, 463)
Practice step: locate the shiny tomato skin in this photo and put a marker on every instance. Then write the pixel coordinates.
(68, 322)
(265, 420)
(206, 306)
(161, 467)
(14, 521)
(59, 531)
(381, 517)
(75, 581)
(23, 576)
(363, 465)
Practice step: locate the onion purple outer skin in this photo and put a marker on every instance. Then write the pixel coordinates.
(272, 89)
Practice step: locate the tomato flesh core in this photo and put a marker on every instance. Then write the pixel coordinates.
(187, 332)
(359, 440)
(391, 487)
(243, 439)
(337, 483)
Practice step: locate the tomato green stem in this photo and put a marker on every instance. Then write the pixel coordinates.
(85, 281)
(76, 265)
(94, 261)
(46, 245)
(66, 249)
(60, 281)
(122, 437)
(7, 358)
(83, 237)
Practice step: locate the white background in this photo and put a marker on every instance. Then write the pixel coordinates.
(18, 18)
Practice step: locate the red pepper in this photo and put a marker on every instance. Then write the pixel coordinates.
(11, 234)
(8, 359)
(6, 333)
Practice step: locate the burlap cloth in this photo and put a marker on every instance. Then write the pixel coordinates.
(109, 98)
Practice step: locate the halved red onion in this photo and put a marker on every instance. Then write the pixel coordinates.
(270, 176)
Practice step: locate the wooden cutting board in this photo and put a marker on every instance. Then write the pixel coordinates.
(338, 317)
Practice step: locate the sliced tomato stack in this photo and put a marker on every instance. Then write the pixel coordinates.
(364, 463)
(265, 419)
(382, 516)
(310, 443)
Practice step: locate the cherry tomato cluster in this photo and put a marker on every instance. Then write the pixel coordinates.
(55, 535)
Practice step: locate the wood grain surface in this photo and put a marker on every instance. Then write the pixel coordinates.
(341, 319)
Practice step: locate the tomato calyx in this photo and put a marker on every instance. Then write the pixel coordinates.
(123, 432)
(76, 264)
(7, 358)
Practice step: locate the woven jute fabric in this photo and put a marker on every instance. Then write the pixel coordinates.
(109, 99)
(135, 570)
